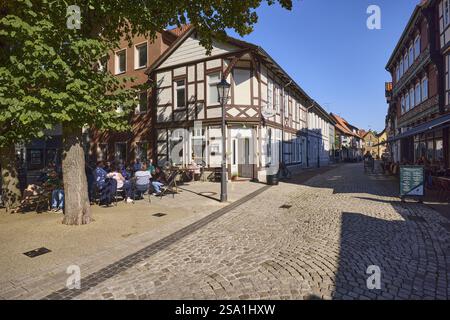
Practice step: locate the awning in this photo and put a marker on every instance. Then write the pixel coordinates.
(430, 125)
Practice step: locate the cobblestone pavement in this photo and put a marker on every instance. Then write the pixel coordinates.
(313, 240)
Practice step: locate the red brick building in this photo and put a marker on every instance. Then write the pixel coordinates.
(132, 61)
(417, 118)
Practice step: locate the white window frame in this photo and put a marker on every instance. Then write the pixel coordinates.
(405, 62)
(138, 107)
(175, 88)
(212, 85)
(446, 13)
(286, 104)
(270, 104)
(136, 55)
(117, 64)
(417, 94)
(116, 153)
(277, 99)
(422, 83)
(407, 101)
(417, 47)
(412, 98)
(411, 55)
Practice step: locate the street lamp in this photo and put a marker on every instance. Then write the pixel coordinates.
(223, 89)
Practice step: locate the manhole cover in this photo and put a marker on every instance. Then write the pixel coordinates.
(416, 219)
(285, 206)
(37, 252)
(159, 215)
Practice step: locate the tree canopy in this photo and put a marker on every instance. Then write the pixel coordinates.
(47, 70)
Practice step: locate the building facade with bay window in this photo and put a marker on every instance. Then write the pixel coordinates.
(418, 117)
(266, 115)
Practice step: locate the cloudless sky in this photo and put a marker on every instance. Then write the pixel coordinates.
(326, 47)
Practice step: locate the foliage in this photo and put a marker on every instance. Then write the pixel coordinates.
(47, 71)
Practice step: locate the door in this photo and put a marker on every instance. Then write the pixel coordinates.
(245, 166)
(234, 156)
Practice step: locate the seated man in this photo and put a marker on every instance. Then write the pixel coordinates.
(54, 184)
(142, 180)
(105, 186)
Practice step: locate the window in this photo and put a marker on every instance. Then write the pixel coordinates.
(270, 94)
(411, 56)
(405, 62)
(401, 68)
(417, 95)
(417, 47)
(277, 99)
(213, 94)
(286, 104)
(397, 73)
(407, 102)
(121, 152)
(269, 145)
(402, 105)
(141, 151)
(142, 106)
(102, 151)
(446, 13)
(140, 56)
(180, 94)
(121, 65)
(198, 143)
(424, 89)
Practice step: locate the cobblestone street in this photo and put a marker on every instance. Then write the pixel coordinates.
(317, 247)
(298, 240)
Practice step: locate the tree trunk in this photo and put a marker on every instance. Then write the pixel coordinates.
(10, 179)
(77, 208)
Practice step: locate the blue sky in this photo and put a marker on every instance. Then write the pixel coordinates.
(327, 48)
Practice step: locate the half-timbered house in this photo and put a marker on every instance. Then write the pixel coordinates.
(266, 115)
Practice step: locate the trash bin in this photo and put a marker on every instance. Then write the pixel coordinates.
(272, 179)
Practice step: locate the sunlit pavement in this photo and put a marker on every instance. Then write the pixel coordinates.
(299, 240)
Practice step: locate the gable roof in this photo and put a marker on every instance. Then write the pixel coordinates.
(189, 30)
(343, 125)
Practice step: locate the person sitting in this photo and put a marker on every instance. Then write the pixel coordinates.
(104, 184)
(54, 184)
(142, 180)
(151, 168)
(158, 180)
(137, 165)
(122, 183)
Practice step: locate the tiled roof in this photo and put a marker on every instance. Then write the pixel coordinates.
(180, 30)
(342, 125)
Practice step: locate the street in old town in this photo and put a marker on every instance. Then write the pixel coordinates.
(312, 237)
(252, 155)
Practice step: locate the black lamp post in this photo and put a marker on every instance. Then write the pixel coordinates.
(223, 88)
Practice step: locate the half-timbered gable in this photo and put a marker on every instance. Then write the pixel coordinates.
(265, 115)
